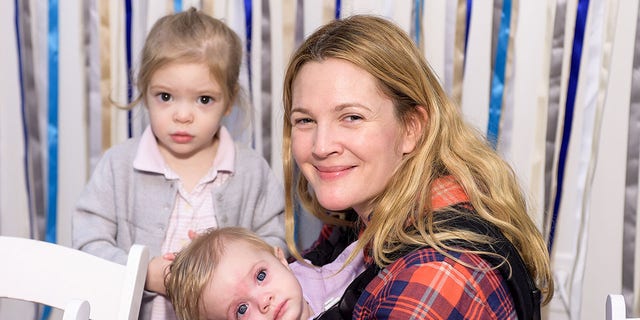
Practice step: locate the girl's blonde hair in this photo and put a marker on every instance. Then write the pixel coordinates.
(447, 146)
(193, 267)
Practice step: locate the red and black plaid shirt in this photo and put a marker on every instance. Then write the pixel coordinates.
(425, 284)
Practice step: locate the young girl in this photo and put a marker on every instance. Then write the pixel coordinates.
(185, 172)
(256, 279)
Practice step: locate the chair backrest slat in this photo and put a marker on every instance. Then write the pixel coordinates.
(55, 275)
(616, 308)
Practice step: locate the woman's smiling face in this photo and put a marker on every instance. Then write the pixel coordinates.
(345, 137)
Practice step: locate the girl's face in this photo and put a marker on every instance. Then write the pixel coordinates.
(252, 283)
(344, 137)
(185, 106)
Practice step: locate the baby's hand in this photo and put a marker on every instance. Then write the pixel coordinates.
(172, 255)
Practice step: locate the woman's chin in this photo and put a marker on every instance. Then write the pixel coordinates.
(336, 203)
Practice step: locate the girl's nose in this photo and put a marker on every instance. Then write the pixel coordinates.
(183, 113)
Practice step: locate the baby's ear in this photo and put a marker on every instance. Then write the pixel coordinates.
(277, 251)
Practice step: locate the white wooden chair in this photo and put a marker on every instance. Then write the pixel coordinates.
(81, 284)
(616, 308)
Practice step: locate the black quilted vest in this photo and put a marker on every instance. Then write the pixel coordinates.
(526, 296)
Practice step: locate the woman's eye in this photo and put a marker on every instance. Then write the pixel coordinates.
(353, 117)
(261, 275)
(301, 121)
(165, 96)
(242, 309)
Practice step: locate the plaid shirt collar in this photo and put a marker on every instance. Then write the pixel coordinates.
(446, 192)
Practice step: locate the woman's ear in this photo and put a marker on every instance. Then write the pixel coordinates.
(413, 130)
(277, 251)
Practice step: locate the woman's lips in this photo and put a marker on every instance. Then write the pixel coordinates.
(333, 172)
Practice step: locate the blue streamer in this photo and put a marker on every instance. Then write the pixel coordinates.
(418, 7)
(177, 5)
(127, 5)
(576, 54)
(248, 17)
(337, 11)
(53, 42)
(52, 128)
(497, 83)
(466, 30)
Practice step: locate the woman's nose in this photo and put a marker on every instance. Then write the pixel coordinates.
(325, 141)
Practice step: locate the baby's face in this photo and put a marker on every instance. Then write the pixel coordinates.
(250, 283)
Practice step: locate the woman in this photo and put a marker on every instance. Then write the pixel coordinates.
(371, 131)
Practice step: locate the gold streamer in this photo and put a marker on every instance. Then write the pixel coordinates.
(105, 72)
(288, 28)
(537, 172)
(458, 51)
(208, 7)
(169, 5)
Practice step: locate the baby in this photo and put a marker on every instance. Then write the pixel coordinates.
(231, 273)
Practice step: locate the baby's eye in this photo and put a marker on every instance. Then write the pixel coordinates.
(165, 96)
(261, 275)
(205, 99)
(242, 309)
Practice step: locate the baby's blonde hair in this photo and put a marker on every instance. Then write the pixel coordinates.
(193, 267)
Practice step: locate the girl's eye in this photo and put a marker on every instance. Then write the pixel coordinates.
(165, 96)
(261, 275)
(205, 99)
(242, 309)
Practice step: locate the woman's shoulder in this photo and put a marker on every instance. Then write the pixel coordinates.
(427, 264)
(436, 283)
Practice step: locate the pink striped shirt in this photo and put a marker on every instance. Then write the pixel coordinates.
(192, 210)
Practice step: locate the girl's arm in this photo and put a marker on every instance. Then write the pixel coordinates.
(94, 221)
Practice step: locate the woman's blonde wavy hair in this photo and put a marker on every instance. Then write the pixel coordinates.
(446, 146)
